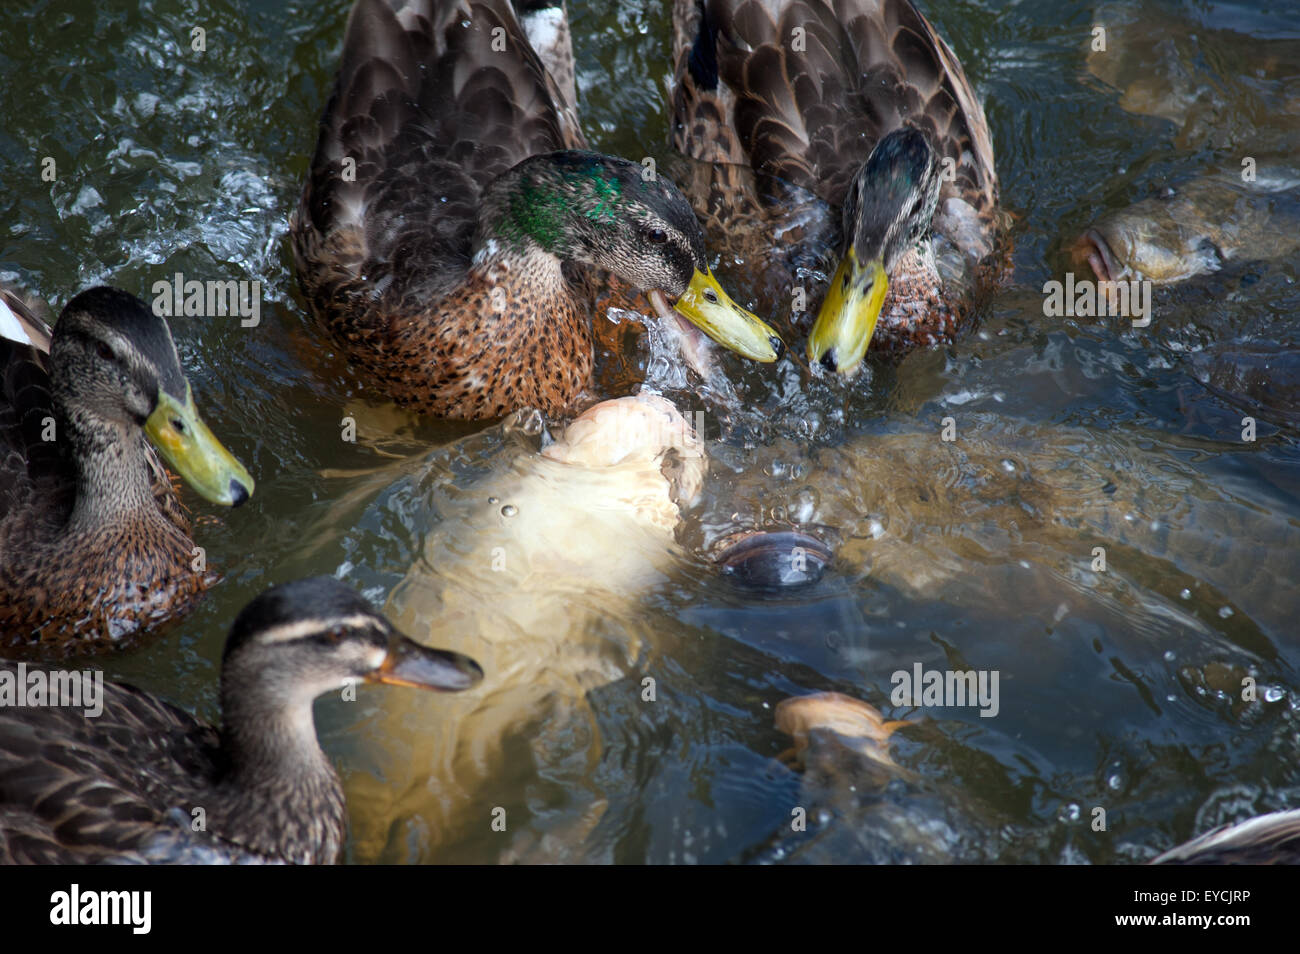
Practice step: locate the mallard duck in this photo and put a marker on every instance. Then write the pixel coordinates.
(143, 781)
(863, 106)
(452, 223)
(94, 544)
(1272, 839)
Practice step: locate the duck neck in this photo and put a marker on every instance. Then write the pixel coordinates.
(520, 243)
(280, 793)
(523, 218)
(108, 459)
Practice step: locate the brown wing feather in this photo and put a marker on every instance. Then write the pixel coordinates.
(803, 89)
(75, 789)
(32, 470)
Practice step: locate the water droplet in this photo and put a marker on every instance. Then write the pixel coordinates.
(1008, 465)
(1225, 611)
(1169, 655)
(1069, 813)
(509, 510)
(804, 505)
(493, 501)
(1115, 782)
(1186, 594)
(1274, 694)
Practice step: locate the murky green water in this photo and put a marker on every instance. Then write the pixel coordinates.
(1119, 689)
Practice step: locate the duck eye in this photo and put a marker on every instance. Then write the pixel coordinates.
(657, 236)
(104, 351)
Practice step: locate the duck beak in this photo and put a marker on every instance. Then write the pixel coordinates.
(191, 450)
(711, 309)
(410, 664)
(848, 316)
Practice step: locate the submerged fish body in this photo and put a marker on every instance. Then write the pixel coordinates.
(1262, 379)
(530, 564)
(1196, 228)
(1168, 66)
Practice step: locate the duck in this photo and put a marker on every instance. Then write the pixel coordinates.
(454, 229)
(96, 548)
(850, 126)
(126, 777)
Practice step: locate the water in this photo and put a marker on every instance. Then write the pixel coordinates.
(1120, 689)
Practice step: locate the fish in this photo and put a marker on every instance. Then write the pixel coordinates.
(855, 724)
(1196, 228)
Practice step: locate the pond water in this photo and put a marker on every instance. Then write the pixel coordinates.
(1119, 688)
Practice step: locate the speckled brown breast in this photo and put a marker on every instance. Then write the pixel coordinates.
(77, 595)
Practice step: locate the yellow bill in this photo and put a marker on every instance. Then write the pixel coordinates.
(848, 316)
(192, 451)
(710, 309)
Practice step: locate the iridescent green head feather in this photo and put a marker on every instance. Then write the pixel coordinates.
(598, 210)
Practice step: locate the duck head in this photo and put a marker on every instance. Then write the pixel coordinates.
(114, 366)
(622, 217)
(888, 210)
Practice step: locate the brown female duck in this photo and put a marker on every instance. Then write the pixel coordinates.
(859, 113)
(451, 225)
(94, 545)
(125, 776)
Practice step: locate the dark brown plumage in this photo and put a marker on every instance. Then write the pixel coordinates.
(95, 547)
(781, 102)
(143, 781)
(1272, 839)
(442, 204)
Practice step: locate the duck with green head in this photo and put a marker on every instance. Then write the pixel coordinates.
(452, 224)
(94, 545)
(862, 108)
